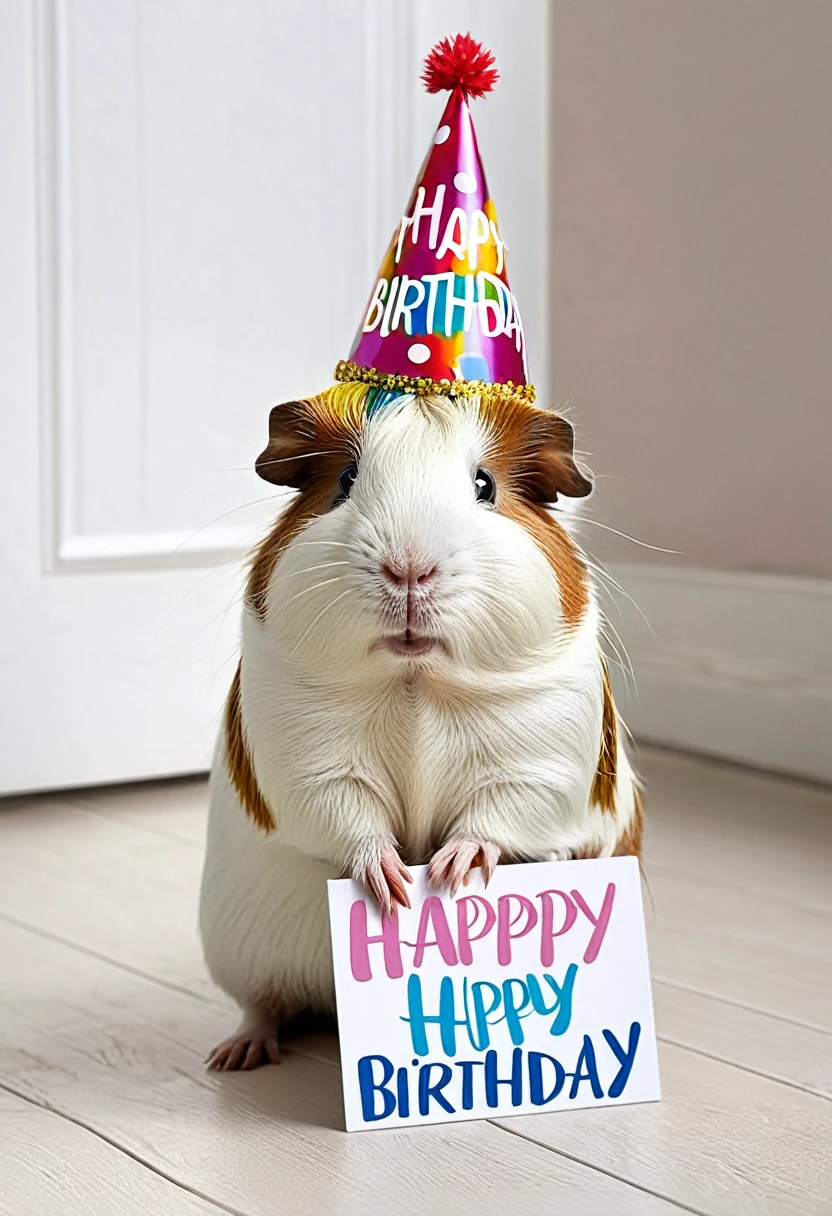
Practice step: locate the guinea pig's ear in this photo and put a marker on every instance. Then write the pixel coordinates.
(292, 440)
(551, 469)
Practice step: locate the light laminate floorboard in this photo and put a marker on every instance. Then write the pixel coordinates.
(105, 1013)
(786, 1051)
(752, 832)
(51, 1166)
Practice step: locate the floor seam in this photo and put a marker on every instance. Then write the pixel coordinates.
(106, 958)
(646, 1190)
(100, 812)
(729, 1000)
(668, 871)
(757, 1072)
(685, 757)
(42, 1104)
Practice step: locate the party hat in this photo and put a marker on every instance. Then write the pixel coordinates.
(442, 317)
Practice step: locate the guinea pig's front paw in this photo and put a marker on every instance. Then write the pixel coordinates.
(454, 861)
(384, 874)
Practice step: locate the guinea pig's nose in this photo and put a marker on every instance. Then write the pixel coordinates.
(408, 574)
(394, 573)
(425, 575)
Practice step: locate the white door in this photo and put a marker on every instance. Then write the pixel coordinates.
(194, 198)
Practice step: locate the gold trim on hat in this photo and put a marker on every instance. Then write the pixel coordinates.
(424, 386)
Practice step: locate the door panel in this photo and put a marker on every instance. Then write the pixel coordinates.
(198, 196)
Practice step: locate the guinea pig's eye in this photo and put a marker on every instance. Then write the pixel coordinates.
(485, 486)
(347, 480)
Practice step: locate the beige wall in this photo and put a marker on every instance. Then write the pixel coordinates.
(691, 251)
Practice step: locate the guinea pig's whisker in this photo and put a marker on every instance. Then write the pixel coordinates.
(239, 600)
(220, 666)
(627, 682)
(341, 544)
(605, 581)
(612, 661)
(604, 573)
(326, 608)
(214, 569)
(605, 578)
(339, 578)
(264, 464)
(585, 519)
(225, 514)
(595, 567)
(611, 585)
(622, 654)
(308, 569)
(249, 468)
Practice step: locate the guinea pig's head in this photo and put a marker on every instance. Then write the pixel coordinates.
(421, 535)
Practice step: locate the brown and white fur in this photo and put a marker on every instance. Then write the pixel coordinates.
(420, 681)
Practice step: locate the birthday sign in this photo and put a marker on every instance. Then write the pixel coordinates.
(530, 995)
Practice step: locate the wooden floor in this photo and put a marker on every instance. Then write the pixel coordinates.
(106, 1014)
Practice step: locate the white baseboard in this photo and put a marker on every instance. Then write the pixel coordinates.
(741, 666)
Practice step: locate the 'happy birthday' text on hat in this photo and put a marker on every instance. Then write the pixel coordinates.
(441, 316)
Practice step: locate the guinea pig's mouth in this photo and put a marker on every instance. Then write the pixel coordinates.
(406, 643)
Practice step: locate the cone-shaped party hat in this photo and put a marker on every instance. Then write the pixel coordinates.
(441, 317)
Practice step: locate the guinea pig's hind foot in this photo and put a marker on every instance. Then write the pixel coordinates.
(252, 1044)
(455, 860)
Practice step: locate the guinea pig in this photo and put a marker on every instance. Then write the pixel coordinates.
(421, 681)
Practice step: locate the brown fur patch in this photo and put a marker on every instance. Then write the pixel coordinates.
(530, 455)
(537, 447)
(312, 438)
(558, 548)
(603, 787)
(588, 852)
(290, 523)
(630, 842)
(310, 442)
(240, 767)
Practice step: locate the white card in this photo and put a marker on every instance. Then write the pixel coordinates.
(530, 995)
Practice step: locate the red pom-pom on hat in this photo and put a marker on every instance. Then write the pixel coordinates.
(460, 63)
